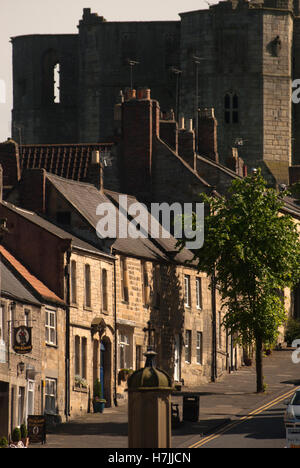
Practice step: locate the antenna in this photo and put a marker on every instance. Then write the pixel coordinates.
(132, 63)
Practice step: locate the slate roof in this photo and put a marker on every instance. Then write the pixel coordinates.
(23, 273)
(86, 198)
(13, 288)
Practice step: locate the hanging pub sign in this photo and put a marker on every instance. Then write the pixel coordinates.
(22, 340)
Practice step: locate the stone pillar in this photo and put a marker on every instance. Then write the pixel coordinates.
(149, 407)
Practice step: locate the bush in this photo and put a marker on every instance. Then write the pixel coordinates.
(16, 435)
(292, 331)
(3, 442)
(97, 389)
(24, 431)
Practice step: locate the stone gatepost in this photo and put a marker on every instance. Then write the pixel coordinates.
(149, 407)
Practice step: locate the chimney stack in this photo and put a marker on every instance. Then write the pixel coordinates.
(207, 134)
(140, 124)
(95, 171)
(186, 142)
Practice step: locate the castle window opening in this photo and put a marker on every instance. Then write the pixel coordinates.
(231, 108)
(56, 83)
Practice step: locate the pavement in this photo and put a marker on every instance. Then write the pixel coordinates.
(229, 398)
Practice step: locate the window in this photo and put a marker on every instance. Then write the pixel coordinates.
(80, 357)
(73, 282)
(231, 108)
(12, 324)
(145, 283)
(124, 351)
(77, 355)
(198, 293)
(50, 326)
(50, 395)
(56, 83)
(188, 346)
(187, 291)
(30, 397)
(83, 357)
(104, 290)
(51, 91)
(87, 280)
(199, 348)
(21, 400)
(124, 280)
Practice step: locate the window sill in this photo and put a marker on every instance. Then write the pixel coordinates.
(80, 389)
(51, 345)
(89, 309)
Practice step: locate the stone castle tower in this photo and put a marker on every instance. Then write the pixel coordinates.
(238, 57)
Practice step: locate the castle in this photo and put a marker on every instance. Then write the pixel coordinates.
(239, 57)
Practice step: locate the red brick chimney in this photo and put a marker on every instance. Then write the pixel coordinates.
(207, 134)
(140, 122)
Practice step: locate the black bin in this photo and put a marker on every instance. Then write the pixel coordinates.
(190, 408)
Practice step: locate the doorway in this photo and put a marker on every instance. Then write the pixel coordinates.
(105, 369)
(177, 358)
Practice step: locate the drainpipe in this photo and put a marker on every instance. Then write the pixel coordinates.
(67, 358)
(115, 332)
(214, 329)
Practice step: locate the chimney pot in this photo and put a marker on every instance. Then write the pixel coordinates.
(130, 94)
(95, 157)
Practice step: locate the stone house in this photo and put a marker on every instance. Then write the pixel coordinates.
(74, 270)
(152, 283)
(32, 383)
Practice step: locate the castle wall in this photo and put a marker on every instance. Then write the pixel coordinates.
(36, 118)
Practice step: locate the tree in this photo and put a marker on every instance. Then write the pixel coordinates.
(252, 251)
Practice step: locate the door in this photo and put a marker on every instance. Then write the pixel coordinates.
(102, 357)
(177, 358)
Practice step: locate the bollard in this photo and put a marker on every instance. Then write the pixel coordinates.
(149, 407)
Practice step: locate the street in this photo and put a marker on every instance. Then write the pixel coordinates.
(264, 429)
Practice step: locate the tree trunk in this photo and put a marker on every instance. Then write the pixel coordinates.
(259, 366)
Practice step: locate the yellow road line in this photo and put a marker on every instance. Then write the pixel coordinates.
(249, 416)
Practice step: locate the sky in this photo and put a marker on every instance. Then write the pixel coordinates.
(20, 17)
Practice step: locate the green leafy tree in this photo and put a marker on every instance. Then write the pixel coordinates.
(252, 251)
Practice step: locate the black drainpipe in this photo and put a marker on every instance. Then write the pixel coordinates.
(67, 359)
(115, 333)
